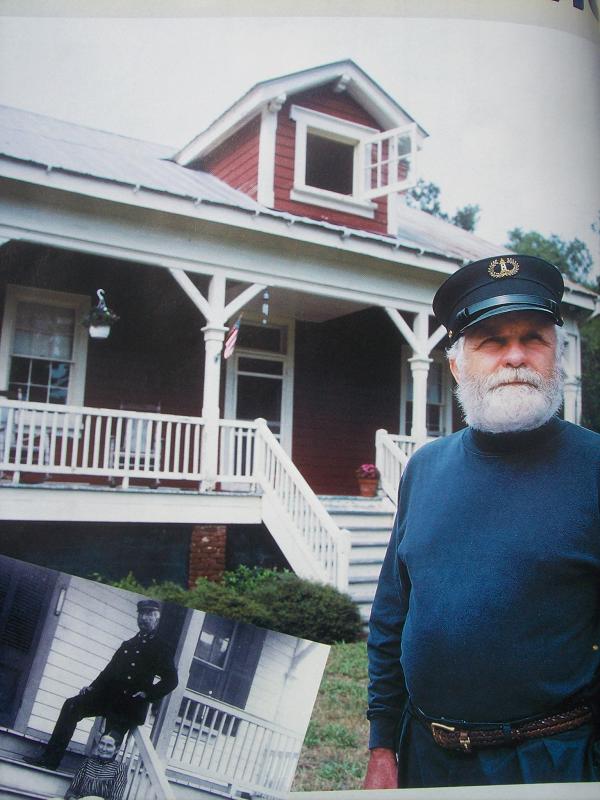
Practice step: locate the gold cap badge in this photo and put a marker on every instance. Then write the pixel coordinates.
(503, 267)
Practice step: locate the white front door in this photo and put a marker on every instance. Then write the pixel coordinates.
(259, 380)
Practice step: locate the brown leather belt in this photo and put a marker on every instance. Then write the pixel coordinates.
(468, 739)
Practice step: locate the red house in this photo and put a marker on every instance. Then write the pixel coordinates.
(149, 451)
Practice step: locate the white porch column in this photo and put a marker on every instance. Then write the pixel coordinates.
(214, 336)
(572, 400)
(216, 312)
(421, 344)
(419, 366)
(571, 362)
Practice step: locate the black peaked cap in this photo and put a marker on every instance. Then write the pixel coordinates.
(148, 605)
(497, 285)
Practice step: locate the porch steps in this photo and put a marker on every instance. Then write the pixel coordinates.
(24, 782)
(369, 521)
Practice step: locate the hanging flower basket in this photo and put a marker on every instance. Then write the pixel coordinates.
(368, 480)
(100, 319)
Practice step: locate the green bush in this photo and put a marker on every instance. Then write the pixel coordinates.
(278, 600)
(309, 610)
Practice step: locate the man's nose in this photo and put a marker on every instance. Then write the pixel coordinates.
(515, 355)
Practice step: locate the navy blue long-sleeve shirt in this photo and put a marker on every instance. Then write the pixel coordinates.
(488, 604)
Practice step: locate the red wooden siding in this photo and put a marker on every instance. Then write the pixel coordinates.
(327, 102)
(155, 352)
(347, 384)
(235, 161)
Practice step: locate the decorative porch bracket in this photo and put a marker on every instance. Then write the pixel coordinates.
(422, 344)
(216, 312)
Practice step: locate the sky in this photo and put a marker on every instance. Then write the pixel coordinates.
(513, 110)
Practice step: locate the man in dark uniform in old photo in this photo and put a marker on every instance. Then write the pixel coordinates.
(123, 690)
(484, 644)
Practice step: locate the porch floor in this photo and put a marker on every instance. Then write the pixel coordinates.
(66, 501)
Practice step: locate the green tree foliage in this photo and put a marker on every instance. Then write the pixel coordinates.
(280, 601)
(590, 377)
(426, 196)
(575, 260)
(572, 257)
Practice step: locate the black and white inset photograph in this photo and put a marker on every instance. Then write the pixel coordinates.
(108, 694)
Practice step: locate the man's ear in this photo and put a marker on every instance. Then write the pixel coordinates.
(454, 369)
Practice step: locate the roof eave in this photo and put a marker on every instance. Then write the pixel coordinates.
(359, 85)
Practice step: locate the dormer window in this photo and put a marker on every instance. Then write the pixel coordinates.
(344, 165)
(329, 164)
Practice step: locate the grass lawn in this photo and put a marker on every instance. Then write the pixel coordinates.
(334, 755)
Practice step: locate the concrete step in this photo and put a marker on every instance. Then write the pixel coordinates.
(370, 522)
(362, 549)
(364, 520)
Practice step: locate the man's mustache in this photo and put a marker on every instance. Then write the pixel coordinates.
(509, 375)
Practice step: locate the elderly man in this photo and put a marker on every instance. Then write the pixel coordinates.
(484, 645)
(122, 691)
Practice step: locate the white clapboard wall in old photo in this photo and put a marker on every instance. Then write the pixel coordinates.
(93, 622)
(284, 688)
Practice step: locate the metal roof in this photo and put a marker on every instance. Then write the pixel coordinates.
(78, 150)
(54, 144)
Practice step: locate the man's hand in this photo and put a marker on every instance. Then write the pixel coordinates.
(382, 770)
(85, 690)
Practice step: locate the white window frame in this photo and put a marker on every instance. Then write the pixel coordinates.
(340, 130)
(446, 414)
(79, 303)
(287, 378)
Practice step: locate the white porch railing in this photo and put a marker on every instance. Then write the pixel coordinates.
(146, 779)
(217, 742)
(391, 457)
(120, 446)
(76, 440)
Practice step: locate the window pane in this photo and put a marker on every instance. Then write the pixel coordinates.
(214, 640)
(433, 420)
(59, 374)
(434, 383)
(259, 397)
(262, 337)
(56, 395)
(329, 164)
(40, 371)
(19, 370)
(36, 394)
(260, 365)
(44, 331)
(38, 380)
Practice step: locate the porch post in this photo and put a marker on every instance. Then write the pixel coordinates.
(419, 366)
(214, 336)
(572, 400)
(421, 344)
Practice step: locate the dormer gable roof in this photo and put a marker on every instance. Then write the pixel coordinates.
(349, 77)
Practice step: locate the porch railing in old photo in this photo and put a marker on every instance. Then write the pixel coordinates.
(146, 779)
(217, 742)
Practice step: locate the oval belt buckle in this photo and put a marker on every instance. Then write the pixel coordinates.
(464, 741)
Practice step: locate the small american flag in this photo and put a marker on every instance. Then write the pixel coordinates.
(232, 338)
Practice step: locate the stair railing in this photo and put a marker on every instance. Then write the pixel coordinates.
(146, 778)
(391, 457)
(308, 537)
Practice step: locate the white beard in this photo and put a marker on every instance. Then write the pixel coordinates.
(530, 401)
